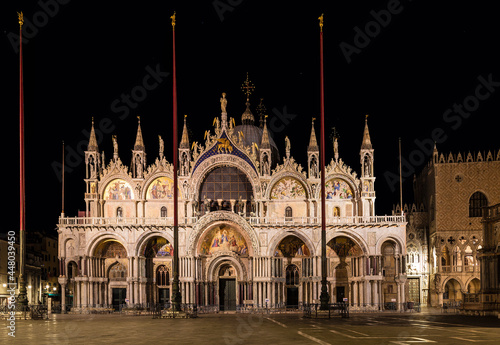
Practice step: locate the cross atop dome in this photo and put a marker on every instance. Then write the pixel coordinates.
(247, 87)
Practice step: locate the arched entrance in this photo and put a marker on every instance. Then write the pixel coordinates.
(292, 286)
(294, 255)
(343, 253)
(157, 252)
(163, 284)
(452, 292)
(112, 256)
(474, 286)
(223, 252)
(227, 287)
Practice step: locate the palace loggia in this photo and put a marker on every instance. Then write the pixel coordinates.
(249, 225)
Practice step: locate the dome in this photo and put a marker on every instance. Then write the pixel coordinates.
(253, 134)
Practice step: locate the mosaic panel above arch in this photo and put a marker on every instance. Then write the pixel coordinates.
(110, 249)
(338, 189)
(288, 188)
(292, 246)
(342, 247)
(161, 188)
(158, 247)
(118, 189)
(223, 238)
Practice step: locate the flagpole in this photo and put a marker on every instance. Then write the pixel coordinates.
(400, 181)
(324, 296)
(176, 294)
(62, 185)
(22, 298)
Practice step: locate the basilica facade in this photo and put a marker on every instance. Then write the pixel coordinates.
(249, 225)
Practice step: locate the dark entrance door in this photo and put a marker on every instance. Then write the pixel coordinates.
(292, 297)
(340, 293)
(163, 296)
(414, 290)
(227, 294)
(119, 296)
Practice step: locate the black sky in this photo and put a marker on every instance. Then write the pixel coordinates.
(81, 57)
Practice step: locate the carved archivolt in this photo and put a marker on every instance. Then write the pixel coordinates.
(221, 216)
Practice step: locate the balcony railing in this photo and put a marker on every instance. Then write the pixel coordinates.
(459, 269)
(168, 221)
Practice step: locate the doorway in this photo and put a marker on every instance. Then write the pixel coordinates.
(292, 297)
(163, 296)
(340, 293)
(414, 290)
(119, 296)
(227, 294)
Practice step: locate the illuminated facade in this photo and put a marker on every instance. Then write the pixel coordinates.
(249, 226)
(445, 226)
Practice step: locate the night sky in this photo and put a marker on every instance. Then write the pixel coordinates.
(424, 71)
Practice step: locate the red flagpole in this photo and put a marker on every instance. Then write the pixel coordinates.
(22, 220)
(324, 297)
(176, 295)
(22, 298)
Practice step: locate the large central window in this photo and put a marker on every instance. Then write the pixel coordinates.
(226, 183)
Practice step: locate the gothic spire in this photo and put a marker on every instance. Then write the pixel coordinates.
(139, 142)
(185, 137)
(313, 143)
(261, 110)
(265, 143)
(92, 146)
(367, 144)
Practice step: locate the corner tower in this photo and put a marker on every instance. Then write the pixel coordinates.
(94, 165)
(367, 173)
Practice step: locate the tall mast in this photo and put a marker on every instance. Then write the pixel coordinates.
(324, 296)
(22, 298)
(176, 294)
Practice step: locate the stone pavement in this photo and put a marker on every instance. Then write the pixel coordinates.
(387, 328)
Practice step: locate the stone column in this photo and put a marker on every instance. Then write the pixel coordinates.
(91, 292)
(63, 297)
(84, 292)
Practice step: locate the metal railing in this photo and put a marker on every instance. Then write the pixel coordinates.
(25, 312)
(169, 221)
(385, 307)
(268, 308)
(313, 310)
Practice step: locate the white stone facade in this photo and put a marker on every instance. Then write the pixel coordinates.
(249, 227)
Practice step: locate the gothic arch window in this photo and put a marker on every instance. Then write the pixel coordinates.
(163, 212)
(413, 256)
(288, 212)
(292, 275)
(119, 212)
(468, 259)
(476, 203)
(457, 259)
(118, 272)
(162, 276)
(226, 183)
